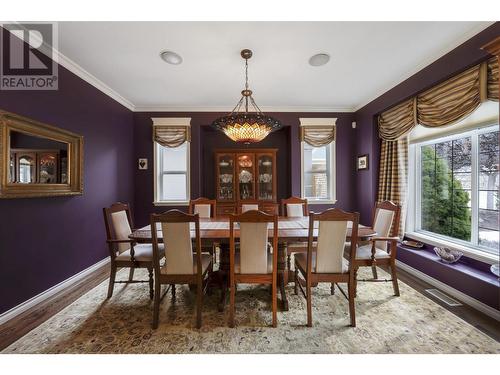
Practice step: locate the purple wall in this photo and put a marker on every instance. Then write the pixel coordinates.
(47, 240)
(205, 140)
(468, 276)
(462, 57)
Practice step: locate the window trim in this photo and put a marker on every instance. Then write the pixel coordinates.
(333, 179)
(471, 249)
(171, 121)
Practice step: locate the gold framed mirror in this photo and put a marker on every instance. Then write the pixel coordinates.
(38, 160)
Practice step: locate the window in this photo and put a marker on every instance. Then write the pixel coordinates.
(172, 174)
(456, 181)
(318, 173)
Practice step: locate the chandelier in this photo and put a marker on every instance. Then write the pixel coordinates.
(241, 125)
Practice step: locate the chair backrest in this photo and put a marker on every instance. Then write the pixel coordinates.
(175, 226)
(249, 206)
(205, 207)
(118, 221)
(253, 228)
(386, 221)
(332, 231)
(294, 207)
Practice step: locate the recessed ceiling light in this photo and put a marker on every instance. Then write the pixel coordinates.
(319, 59)
(171, 57)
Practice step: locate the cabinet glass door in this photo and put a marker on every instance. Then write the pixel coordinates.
(265, 177)
(225, 167)
(246, 176)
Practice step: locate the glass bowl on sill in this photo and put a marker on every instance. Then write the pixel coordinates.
(448, 256)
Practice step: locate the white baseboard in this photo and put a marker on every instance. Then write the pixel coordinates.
(15, 311)
(468, 300)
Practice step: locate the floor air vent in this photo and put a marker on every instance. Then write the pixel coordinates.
(443, 297)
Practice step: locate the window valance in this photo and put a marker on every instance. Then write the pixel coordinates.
(444, 103)
(171, 132)
(317, 132)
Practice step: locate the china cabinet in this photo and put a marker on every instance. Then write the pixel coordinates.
(244, 176)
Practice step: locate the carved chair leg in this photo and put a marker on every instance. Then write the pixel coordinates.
(199, 303)
(332, 289)
(112, 277)
(309, 303)
(173, 291)
(394, 276)
(232, 292)
(156, 307)
(296, 281)
(352, 309)
(275, 302)
(131, 274)
(150, 270)
(374, 272)
(356, 281)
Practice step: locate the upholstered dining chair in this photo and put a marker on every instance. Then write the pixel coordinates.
(253, 264)
(294, 207)
(180, 265)
(249, 205)
(381, 249)
(125, 253)
(206, 208)
(325, 262)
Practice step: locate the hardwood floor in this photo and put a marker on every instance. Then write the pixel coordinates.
(28, 320)
(17, 327)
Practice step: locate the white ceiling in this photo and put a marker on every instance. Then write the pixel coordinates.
(367, 58)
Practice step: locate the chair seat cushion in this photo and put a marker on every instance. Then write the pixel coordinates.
(301, 262)
(237, 264)
(206, 259)
(365, 252)
(142, 252)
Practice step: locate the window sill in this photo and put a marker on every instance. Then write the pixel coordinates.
(468, 251)
(309, 202)
(171, 203)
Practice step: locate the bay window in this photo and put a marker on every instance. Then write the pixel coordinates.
(455, 183)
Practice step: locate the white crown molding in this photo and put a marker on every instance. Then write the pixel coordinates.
(424, 63)
(19, 309)
(94, 81)
(228, 109)
(76, 69)
(468, 300)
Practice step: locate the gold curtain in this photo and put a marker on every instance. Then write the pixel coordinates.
(317, 136)
(171, 136)
(493, 79)
(393, 180)
(397, 121)
(441, 105)
(453, 99)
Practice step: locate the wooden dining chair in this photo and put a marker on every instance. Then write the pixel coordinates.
(123, 252)
(325, 262)
(381, 249)
(248, 205)
(294, 207)
(254, 264)
(180, 266)
(206, 208)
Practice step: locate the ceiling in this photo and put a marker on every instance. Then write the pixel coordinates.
(367, 59)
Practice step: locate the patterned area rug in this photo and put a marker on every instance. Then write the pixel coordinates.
(385, 324)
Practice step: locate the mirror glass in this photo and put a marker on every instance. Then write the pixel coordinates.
(37, 160)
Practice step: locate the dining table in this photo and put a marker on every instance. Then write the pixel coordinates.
(216, 231)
